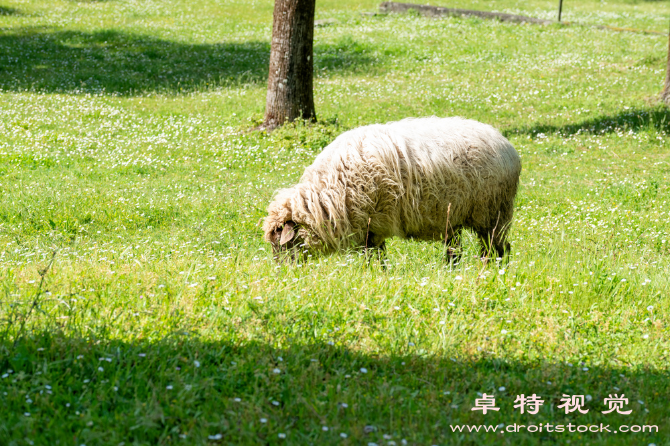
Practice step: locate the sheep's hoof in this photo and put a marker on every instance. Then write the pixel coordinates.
(376, 251)
(453, 256)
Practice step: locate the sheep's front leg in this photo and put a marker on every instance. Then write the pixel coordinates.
(376, 248)
(453, 245)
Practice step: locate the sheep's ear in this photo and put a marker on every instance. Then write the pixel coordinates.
(287, 233)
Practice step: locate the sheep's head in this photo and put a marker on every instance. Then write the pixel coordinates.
(288, 229)
(283, 233)
(284, 237)
(288, 240)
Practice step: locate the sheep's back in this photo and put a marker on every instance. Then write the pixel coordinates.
(406, 174)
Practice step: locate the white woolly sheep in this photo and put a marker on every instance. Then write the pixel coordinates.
(414, 179)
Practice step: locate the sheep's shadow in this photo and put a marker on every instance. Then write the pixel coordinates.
(114, 62)
(181, 384)
(635, 119)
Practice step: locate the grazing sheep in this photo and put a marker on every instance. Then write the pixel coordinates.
(415, 178)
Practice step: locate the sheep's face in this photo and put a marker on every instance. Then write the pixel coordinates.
(290, 239)
(287, 239)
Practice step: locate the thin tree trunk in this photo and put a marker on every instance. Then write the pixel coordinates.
(290, 90)
(665, 96)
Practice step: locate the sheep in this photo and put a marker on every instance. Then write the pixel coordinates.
(418, 178)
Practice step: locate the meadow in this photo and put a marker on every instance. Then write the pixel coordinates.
(139, 304)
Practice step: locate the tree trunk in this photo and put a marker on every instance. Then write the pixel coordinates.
(665, 96)
(290, 92)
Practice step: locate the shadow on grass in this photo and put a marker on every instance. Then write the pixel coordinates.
(5, 10)
(345, 55)
(151, 392)
(634, 119)
(112, 62)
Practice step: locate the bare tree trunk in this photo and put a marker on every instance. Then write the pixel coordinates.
(665, 96)
(290, 89)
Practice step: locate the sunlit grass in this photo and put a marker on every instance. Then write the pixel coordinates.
(125, 151)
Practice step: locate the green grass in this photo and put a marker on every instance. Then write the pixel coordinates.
(125, 150)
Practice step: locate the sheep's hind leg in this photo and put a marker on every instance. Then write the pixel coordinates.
(493, 232)
(493, 242)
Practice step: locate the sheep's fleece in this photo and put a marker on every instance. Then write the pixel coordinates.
(407, 179)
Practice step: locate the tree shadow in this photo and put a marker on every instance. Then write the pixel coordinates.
(636, 119)
(345, 55)
(5, 10)
(113, 62)
(152, 391)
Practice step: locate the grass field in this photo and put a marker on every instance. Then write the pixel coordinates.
(140, 306)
